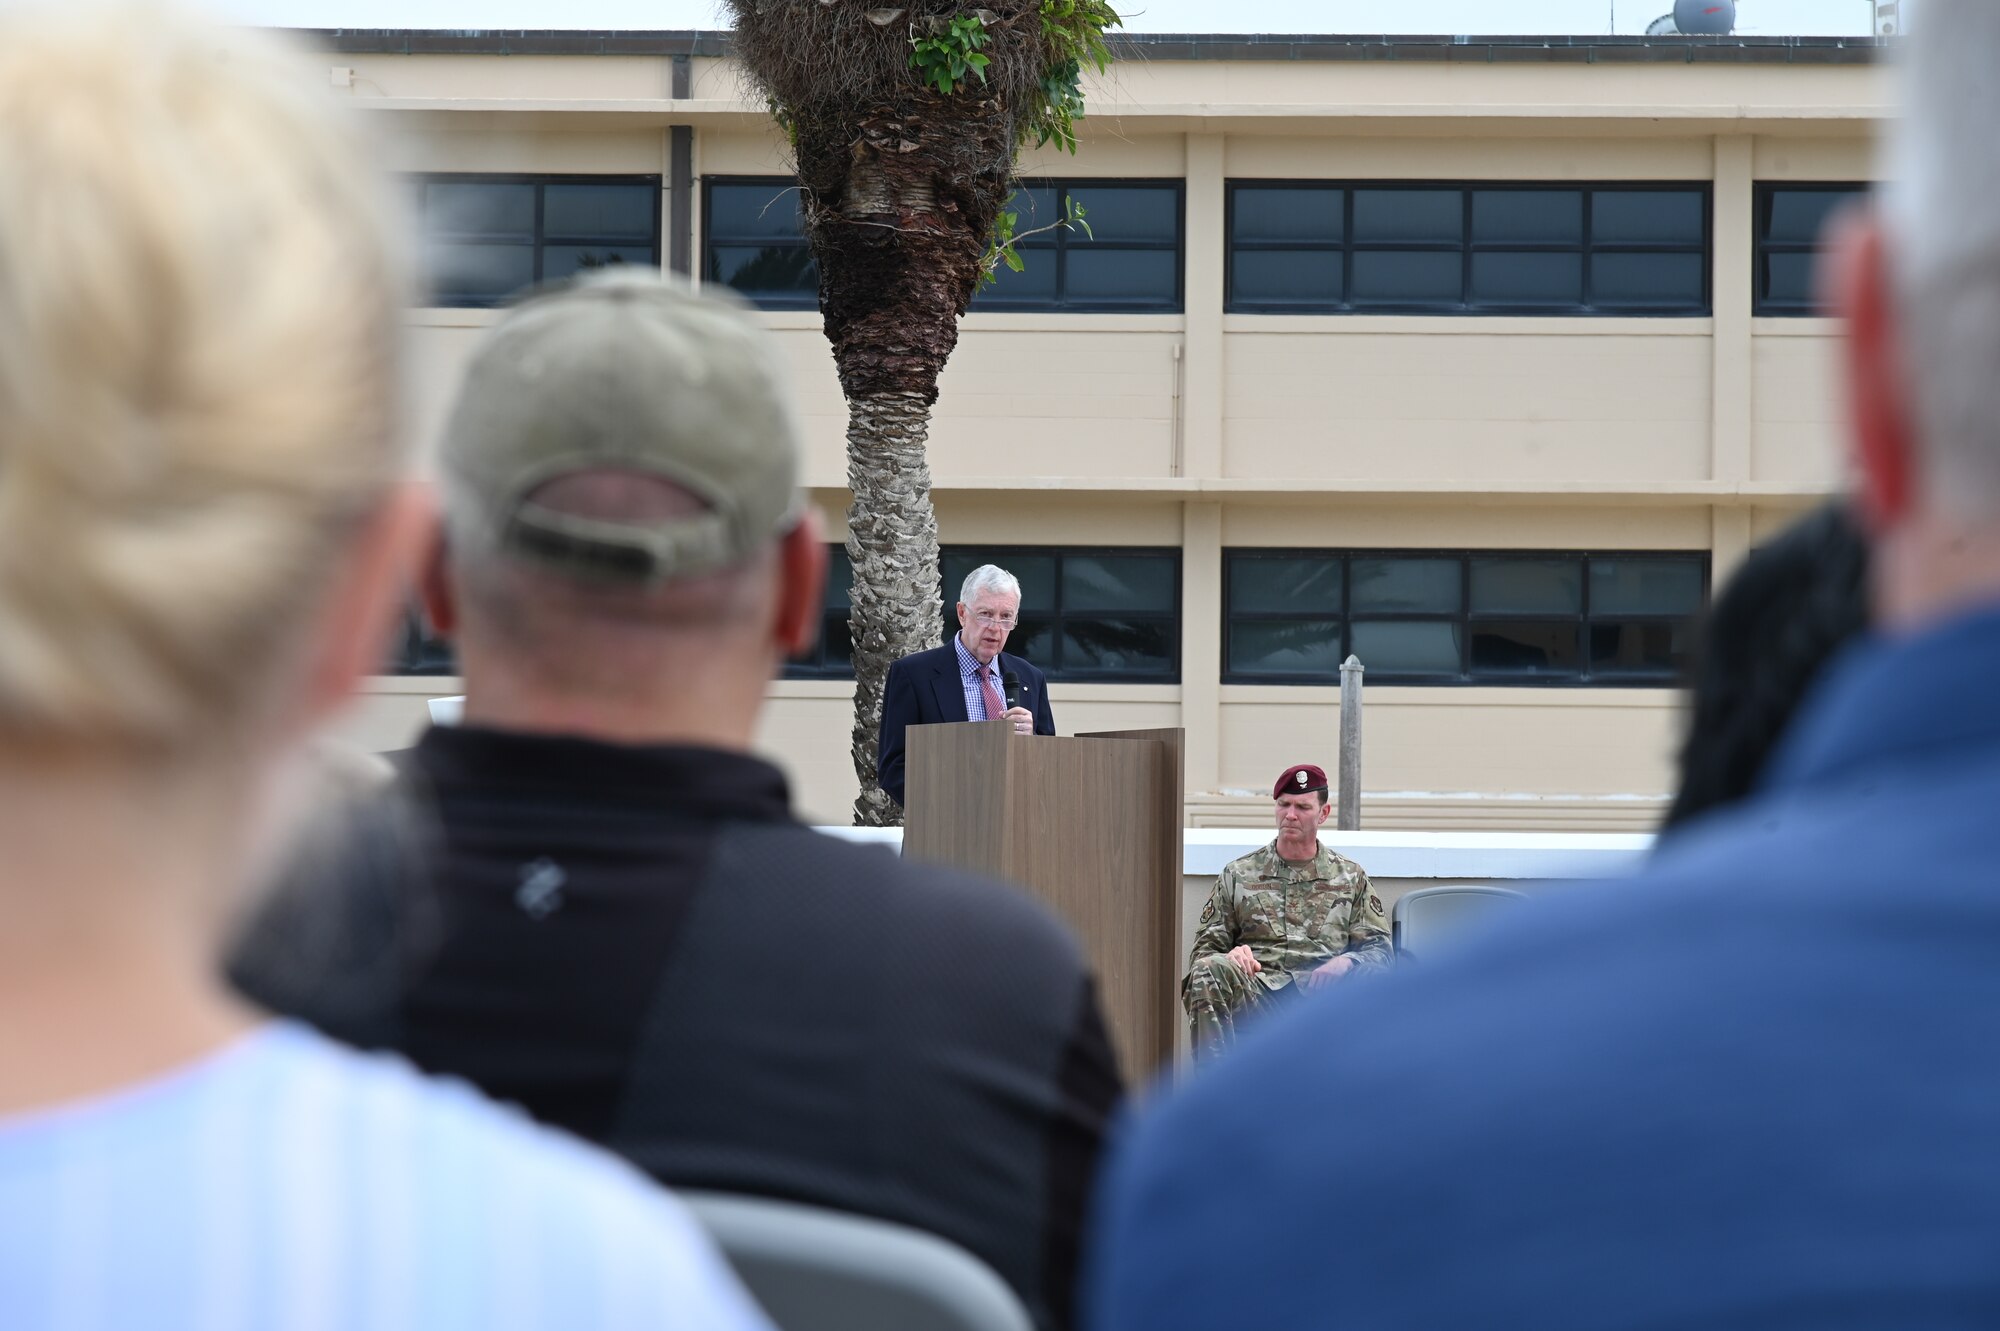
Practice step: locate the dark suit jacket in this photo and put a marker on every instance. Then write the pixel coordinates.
(926, 688)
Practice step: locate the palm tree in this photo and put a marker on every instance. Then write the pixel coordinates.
(904, 124)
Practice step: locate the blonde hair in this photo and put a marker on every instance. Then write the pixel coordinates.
(199, 309)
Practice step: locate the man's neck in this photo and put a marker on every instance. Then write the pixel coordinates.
(703, 706)
(1297, 852)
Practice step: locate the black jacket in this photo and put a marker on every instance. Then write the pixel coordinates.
(642, 946)
(927, 688)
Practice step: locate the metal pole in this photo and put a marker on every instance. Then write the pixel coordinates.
(1348, 817)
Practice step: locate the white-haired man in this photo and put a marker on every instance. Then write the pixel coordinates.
(967, 679)
(1755, 1087)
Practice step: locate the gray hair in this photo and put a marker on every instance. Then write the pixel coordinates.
(1942, 210)
(988, 578)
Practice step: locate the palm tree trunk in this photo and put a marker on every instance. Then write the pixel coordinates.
(892, 542)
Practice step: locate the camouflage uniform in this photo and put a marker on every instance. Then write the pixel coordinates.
(1293, 918)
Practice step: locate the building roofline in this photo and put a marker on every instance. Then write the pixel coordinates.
(1166, 46)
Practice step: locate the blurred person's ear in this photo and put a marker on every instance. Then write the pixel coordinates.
(801, 604)
(434, 582)
(1881, 433)
(364, 598)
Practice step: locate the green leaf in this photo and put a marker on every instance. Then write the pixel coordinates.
(1014, 260)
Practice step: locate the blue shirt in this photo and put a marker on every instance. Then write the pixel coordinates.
(286, 1184)
(968, 678)
(1759, 1086)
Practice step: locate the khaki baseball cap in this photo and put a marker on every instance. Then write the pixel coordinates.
(629, 371)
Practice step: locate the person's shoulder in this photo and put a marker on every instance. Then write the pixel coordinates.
(470, 1167)
(947, 907)
(1256, 864)
(929, 659)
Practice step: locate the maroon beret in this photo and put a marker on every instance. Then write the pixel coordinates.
(1300, 780)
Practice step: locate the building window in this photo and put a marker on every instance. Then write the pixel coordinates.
(1128, 260)
(1790, 222)
(1480, 617)
(1096, 614)
(415, 650)
(753, 239)
(832, 657)
(1306, 247)
(486, 238)
(1109, 615)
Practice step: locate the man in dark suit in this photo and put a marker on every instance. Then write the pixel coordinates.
(964, 680)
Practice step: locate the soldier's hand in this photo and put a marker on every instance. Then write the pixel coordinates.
(1322, 976)
(1023, 720)
(1246, 960)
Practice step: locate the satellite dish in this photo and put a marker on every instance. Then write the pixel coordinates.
(1663, 26)
(1707, 18)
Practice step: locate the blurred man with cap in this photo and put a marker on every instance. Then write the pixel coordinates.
(619, 925)
(1284, 920)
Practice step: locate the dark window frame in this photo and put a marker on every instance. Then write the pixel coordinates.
(779, 186)
(1052, 246)
(1762, 195)
(814, 664)
(1059, 242)
(539, 239)
(817, 668)
(1464, 617)
(1586, 248)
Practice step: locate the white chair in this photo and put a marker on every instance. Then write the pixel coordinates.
(1431, 916)
(814, 1269)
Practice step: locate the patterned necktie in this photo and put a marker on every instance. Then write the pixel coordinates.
(996, 706)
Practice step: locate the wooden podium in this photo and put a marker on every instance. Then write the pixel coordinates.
(1091, 824)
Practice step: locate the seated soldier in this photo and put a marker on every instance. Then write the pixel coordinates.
(1291, 917)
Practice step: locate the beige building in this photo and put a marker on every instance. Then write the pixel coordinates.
(1481, 359)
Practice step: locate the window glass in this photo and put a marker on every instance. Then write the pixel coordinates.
(1035, 284)
(560, 261)
(1395, 277)
(1798, 215)
(1553, 217)
(1515, 586)
(1117, 582)
(1280, 277)
(479, 208)
(1526, 648)
(765, 210)
(1618, 619)
(1646, 217)
(1035, 206)
(1406, 586)
(1289, 214)
(1644, 648)
(1645, 280)
(772, 270)
(602, 212)
(1116, 214)
(1621, 586)
(1503, 278)
(1125, 646)
(1407, 647)
(1121, 275)
(1408, 216)
(480, 272)
(1265, 585)
(1035, 573)
(1790, 279)
(1281, 647)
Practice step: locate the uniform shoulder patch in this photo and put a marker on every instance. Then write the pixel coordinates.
(1375, 903)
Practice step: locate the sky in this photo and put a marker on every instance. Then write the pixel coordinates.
(1476, 17)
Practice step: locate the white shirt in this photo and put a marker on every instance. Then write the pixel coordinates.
(286, 1184)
